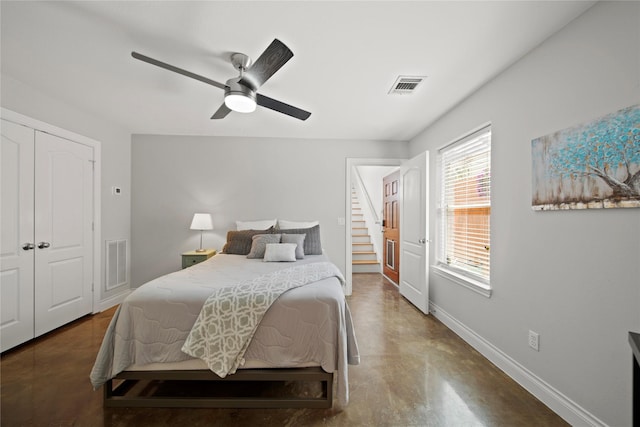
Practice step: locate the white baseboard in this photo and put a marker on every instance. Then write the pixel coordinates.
(570, 411)
(111, 301)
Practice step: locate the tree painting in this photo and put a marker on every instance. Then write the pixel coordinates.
(593, 165)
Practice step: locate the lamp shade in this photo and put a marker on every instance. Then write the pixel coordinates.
(202, 221)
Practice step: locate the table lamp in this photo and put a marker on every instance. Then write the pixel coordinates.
(201, 221)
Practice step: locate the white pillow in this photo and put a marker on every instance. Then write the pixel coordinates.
(255, 225)
(280, 252)
(285, 225)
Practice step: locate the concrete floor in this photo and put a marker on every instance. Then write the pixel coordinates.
(413, 372)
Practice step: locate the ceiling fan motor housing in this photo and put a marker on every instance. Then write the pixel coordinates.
(236, 94)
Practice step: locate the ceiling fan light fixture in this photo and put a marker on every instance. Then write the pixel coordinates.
(238, 97)
(240, 102)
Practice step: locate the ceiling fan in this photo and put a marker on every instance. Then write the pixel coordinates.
(240, 93)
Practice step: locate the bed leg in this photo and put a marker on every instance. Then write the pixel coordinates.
(327, 391)
(108, 390)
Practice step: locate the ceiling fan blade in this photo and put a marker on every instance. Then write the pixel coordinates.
(170, 67)
(281, 107)
(222, 112)
(271, 60)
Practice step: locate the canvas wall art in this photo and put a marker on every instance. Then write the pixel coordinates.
(590, 166)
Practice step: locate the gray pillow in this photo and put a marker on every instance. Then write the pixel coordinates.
(312, 245)
(298, 239)
(239, 242)
(259, 244)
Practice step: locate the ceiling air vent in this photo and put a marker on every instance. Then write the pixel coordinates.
(406, 84)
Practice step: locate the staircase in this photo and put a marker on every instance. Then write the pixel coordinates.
(363, 256)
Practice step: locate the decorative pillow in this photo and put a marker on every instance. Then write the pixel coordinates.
(239, 242)
(283, 223)
(312, 245)
(259, 244)
(263, 224)
(280, 252)
(298, 239)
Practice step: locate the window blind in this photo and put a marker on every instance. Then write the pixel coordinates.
(465, 168)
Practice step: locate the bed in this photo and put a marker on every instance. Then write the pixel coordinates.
(306, 334)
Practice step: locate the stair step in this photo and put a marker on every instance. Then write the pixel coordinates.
(364, 256)
(361, 247)
(366, 268)
(365, 262)
(360, 238)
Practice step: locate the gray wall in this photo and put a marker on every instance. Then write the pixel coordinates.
(236, 179)
(572, 276)
(115, 149)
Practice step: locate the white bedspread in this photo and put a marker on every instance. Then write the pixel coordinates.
(306, 325)
(231, 315)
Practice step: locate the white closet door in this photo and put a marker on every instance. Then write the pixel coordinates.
(16, 263)
(63, 230)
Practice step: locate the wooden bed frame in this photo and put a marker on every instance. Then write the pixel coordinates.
(117, 396)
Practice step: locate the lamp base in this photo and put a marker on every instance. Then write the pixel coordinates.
(201, 250)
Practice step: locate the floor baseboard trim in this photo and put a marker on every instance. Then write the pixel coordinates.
(566, 408)
(391, 282)
(114, 300)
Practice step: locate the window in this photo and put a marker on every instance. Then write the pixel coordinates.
(465, 208)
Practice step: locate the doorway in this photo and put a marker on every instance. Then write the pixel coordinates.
(53, 184)
(352, 165)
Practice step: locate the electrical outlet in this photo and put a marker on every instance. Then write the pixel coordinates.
(534, 340)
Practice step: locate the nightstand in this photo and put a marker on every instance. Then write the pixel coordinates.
(192, 257)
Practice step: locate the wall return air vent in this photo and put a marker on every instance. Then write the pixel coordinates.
(406, 84)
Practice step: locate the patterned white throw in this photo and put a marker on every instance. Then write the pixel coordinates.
(231, 315)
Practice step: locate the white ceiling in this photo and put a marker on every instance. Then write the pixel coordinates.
(346, 57)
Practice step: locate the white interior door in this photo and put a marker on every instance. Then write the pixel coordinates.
(63, 230)
(414, 231)
(16, 253)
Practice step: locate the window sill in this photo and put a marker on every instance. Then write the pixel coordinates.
(476, 286)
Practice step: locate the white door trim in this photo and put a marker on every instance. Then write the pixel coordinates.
(351, 163)
(18, 118)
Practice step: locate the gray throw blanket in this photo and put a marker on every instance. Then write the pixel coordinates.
(231, 315)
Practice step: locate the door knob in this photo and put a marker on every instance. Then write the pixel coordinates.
(423, 241)
(43, 245)
(28, 246)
